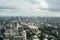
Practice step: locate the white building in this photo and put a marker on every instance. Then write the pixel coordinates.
(34, 29)
(45, 39)
(35, 37)
(24, 35)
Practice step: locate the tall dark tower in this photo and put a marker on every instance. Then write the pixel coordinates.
(58, 31)
(1, 37)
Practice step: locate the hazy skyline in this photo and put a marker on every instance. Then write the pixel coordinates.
(30, 8)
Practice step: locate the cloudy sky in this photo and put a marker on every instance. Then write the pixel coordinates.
(50, 8)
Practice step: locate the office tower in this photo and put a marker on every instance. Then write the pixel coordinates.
(24, 35)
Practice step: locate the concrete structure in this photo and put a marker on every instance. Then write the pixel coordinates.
(17, 38)
(35, 37)
(24, 35)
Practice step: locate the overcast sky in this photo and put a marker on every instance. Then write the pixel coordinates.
(46, 8)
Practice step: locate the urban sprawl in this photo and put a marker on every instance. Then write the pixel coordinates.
(29, 28)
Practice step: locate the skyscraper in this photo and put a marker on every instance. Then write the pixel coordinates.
(24, 35)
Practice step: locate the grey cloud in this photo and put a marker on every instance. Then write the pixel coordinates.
(54, 5)
(33, 1)
(54, 9)
(27, 8)
(5, 7)
(50, 9)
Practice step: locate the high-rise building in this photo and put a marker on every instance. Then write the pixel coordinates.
(1, 37)
(17, 38)
(24, 35)
(35, 37)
